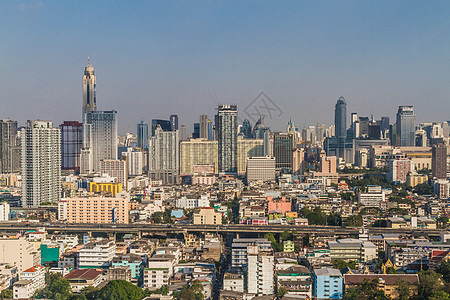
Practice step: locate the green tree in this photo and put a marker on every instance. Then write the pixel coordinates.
(403, 290)
(334, 220)
(89, 292)
(57, 288)
(120, 290)
(286, 235)
(354, 221)
(444, 270)
(429, 282)
(423, 189)
(281, 292)
(7, 294)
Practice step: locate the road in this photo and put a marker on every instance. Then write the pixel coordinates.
(230, 228)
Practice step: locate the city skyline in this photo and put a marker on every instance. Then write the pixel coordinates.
(171, 63)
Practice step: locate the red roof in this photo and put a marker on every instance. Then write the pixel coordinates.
(34, 269)
(88, 274)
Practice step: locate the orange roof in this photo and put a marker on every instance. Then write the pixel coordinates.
(33, 269)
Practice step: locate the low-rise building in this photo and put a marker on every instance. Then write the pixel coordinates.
(98, 254)
(207, 216)
(80, 279)
(328, 284)
(352, 250)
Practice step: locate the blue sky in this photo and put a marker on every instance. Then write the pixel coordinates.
(155, 58)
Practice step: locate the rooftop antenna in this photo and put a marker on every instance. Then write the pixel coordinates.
(88, 60)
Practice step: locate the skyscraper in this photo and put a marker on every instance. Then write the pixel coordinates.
(101, 136)
(174, 122)
(196, 133)
(89, 86)
(165, 125)
(247, 129)
(439, 161)
(71, 144)
(227, 138)
(204, 126)
(142, 135)
(41, 163)
(9, 147)
(405, 126)
(164, 155)
(283, 145)
(340, 122)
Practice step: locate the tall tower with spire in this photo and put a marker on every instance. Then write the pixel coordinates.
(89, 101)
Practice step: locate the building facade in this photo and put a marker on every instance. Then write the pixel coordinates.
(89, 86)
(9, 147)
(164, 156)
(41, 163)
(405, 126)
(71, 144)
(227, 130)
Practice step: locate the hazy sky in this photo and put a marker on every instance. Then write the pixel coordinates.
(156, 58)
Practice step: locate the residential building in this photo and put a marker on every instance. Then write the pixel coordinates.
(134, 262)
(9, 147)
(399, 169)
(41, 163)
(374, 196)
(297, 280)
(278, 205)
(192, 203)
(20, 251)
(227, 131)
(98, 254)
(100, 136)
(233, 281)
(36, 275)
(260, 168)
(4, 211)
(207, 216)
(248, 148)
(115, 168)
(260, 274)
(352, 250)
(239, 250)
(119, 273)
(94, 210)
(134, 162)
(82, 278)
(197, 152)
(173, 122)
(328, 283)
(439, 161)
(164, 156)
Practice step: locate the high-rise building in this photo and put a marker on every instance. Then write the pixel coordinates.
(101, 136)
(248, 148)
(89, 86)
(135, 161)
(196, 133)
(174, 122)
(183, 134)
(41, 163)
(340, 122)
(9, 147)
(283, 145)
(115, 168)
(260, 274)
(165, 125)
(197, 152)
(210, 130)
(261, 168)
(164, 156)
(247, 129)
(439, 161)
(142, 135)
(227, 130)
(203, 126)
(405, 126)
(71, 144)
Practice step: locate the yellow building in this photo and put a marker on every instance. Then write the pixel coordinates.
(248, 148)
(197, 152)
(105, 188)
(415, 179)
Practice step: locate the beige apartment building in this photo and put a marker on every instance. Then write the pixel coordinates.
(197, 152)
(19, 252)
(207, 216)
(94, 210)
(248, 148)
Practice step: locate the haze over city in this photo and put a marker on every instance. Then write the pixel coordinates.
(153, 59)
